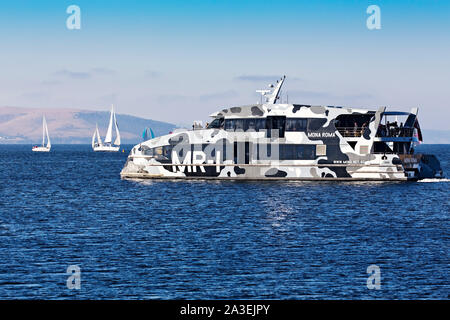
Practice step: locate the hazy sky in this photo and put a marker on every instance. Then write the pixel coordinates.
(180, 61)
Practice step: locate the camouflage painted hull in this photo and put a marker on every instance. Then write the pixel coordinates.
(283, 142)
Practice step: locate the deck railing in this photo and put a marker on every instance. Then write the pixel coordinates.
(351, 131)
(392, 132)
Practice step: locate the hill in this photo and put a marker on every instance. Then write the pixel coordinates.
(24, 125)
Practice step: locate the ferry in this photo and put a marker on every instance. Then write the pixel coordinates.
(272, 140)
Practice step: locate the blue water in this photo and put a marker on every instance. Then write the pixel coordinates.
(210, 239)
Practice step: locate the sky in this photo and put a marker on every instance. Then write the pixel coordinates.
(179, 61)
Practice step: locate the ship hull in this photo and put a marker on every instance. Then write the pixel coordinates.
(277, 173)
(41, 149)
(139, 168)
(161, 177)
(106, 149)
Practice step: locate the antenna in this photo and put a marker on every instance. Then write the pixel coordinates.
(276, 92)
(263, 94)
(272, 96)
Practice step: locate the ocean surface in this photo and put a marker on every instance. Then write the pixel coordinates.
(213, 239)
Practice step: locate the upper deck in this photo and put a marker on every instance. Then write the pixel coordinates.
(288, 110)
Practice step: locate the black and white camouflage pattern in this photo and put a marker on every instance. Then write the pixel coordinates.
(340, 162)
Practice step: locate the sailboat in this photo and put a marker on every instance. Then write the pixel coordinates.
(107, 145)
(147, 134)
(43, 148)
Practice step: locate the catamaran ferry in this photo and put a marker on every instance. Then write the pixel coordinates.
(273, 140)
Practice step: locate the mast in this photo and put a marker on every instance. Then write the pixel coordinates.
(43, 130)
(48, 136)
(276, 92)
(108, 137)
(273, 95)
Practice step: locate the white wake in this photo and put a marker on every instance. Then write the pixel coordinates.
(434, 180)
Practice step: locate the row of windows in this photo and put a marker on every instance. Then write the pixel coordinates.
(245, 124)
(239, 152)
(295, 124)
(260, 124)
(286, 151)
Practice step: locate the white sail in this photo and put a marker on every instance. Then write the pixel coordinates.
(108, 137)
(49, 145)
(93, 139)
(43, 130)
(99, 139)
(96, 139)
(117, 141)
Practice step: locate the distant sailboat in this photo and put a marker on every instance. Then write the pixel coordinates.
(147, 134)
(96, 140)
(44, 148)
(98, 145)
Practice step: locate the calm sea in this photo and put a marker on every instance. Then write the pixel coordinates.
(211, 239)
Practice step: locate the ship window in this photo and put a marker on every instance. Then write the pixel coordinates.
(288, 152)
(158, 151)
(349, 120)
(260, 124)
(321, 150)
(234, 124)
(276, 123)
(216, 124)
(146, 151)
(229, 124)
(353, 125)
(297, 152)
(163, 154)
(295, 124)
(285, 152)
(167, 152)
(249, 124)
(239, 126)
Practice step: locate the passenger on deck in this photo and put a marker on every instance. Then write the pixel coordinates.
(363, 128)
(395, 129)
